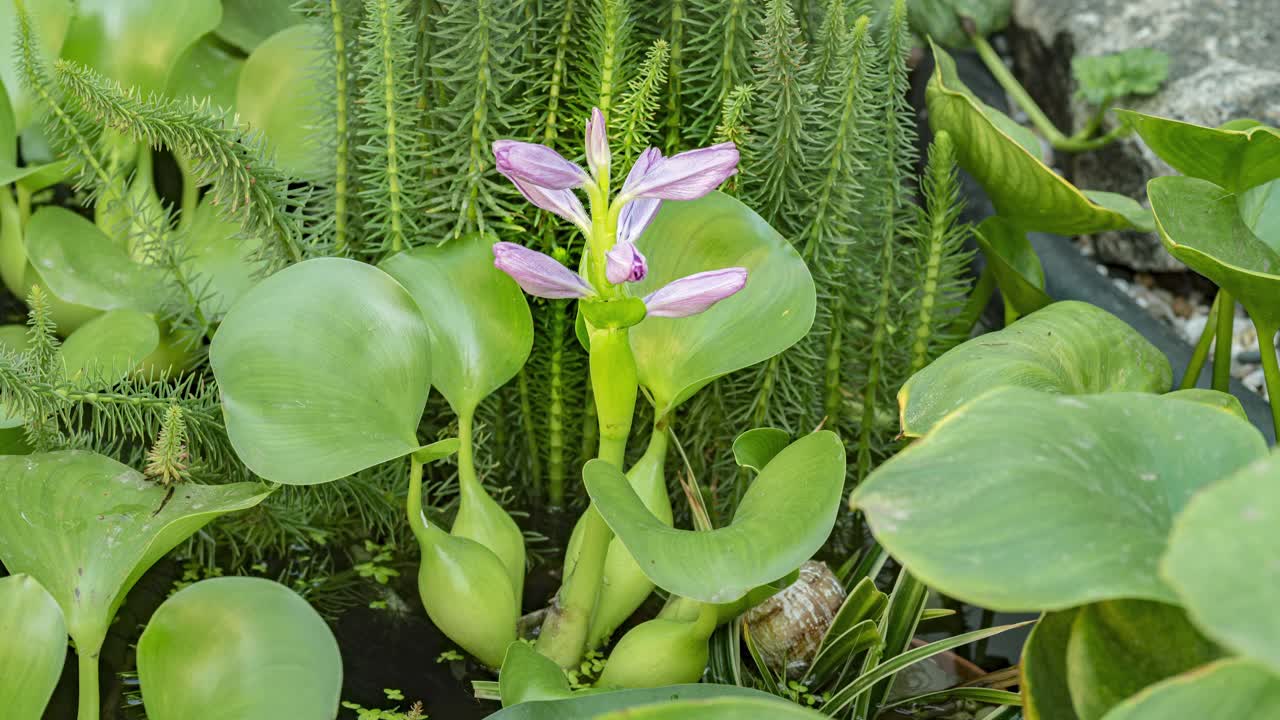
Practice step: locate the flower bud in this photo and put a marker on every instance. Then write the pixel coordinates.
(597, 144)
(686, 176)
(695, 293)
(624, 263)
(537, 165)
(561, 202)
(538, 274)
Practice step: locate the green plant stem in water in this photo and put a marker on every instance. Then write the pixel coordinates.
(88, 666)
(1222, 349)
(1201, 351)
(1270, 367)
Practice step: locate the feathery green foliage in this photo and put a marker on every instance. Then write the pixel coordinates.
(720, 36)
(636, 121)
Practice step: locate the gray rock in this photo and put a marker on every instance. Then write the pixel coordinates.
(1221, 67)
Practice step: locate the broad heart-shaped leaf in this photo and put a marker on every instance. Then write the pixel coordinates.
(1221, 561)
(1233, 159)
(1078, 494)
(1119, 647)
(324, 370)
(83, 266)
(1015, 264)
(281, 96)
(481, 327)
(1069, 347)
(33, 646)
(246, 23)
(207, 70)
(49, 20)
(110, 345)
(111, 35)
(1233, 689)
(221, 257)
(783, 519)
(86, 528)
(676, 357)
(1023, 189)
(1201, 225)
(239, 648)
(595, 705)
(1045, 695)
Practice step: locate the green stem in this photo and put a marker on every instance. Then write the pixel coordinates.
(393, 157)
(1201, 351)
(89, 692)
(342, 148)
(24, 204)
(555, 407)
(1015, 90)
(466, 451)
(978, 299)
(1222, 348)
(413, 505)
(1270, 367)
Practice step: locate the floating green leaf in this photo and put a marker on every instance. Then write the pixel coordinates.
(595, 705)
(778, 525)
(1069, 347)
(1044, 668)
(676, 357)
(1049, 478)
(283, 358)
(111, 345)
(247, 23)
(1201, 225)
(281, 96)
(1221, 561)
(136, 42)
(1119, 647)
(33, 646)
(1226, 690)
(86, 528)
(49, 20)
(1023, 189)
(1015, 264)
(481, 327)
(1136, 71)
(1234, 159)
(239, 648)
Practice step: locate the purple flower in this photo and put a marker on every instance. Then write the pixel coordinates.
(561, 202)
(597, 144)
(695, 293)
(538, 274)
(624, 263)
(687, 176)
(635, 217)
(538, 165)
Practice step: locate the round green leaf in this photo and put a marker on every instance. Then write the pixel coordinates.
(83, 266)
(1201, 225)
(49, 21)
(33, 646)
(1024, 190)
(1119, 647)
(238, 648)
(324, 370)
(281, 96)
(221, 258)
(1221, 561)
(481, 327)
(246, 23)
(779, 524)
(86, 528)
(1070, 348)
(1044, 668)
(1015, 264)
(136, 42)
(1234, 159)
(593, 705)
(111, 345)
(207, 71)
(1232, 689)
(675, 357)
(1075, 495)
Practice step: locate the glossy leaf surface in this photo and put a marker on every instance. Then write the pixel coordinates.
(238, 648)
(1015, 264)
(1023, 189)
(676, 357)
(755, 448)
(1201, 225)
(1221, 561)
(86, 528)
(1233, 159)
(1078, 495)
(111, 35)
(784, 517)
(286, 360)
(33, 647)
(481, 327)
(1069, 348)
(111, 345)
(281, 96)
(591, 706)
(83, 266)
(1226, 690)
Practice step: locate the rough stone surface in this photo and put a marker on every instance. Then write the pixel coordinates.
(1222, 66)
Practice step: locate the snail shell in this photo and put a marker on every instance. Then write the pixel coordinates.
(788, 627)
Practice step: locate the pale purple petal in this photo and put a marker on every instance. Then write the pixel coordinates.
(561, 202)
(537, 165)
(687, 176)
(597, 143)
(635, 217)
(643, 165)
(539, 274)
(695, 293)
(624, 263)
